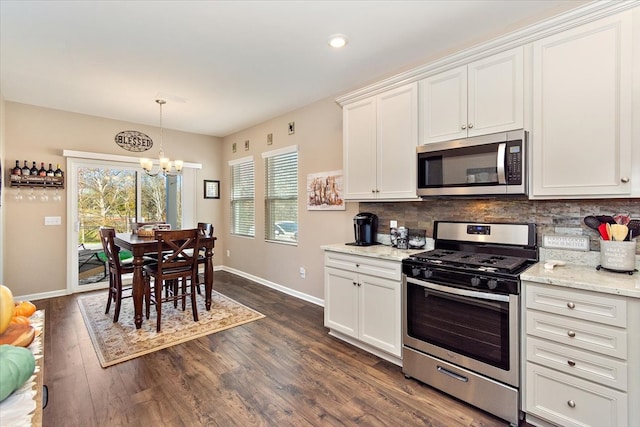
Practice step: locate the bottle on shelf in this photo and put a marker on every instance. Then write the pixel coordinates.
(25, 169)
(34, 170)
(58, 171)
(42, 171)
(50, 171)
(17, 170)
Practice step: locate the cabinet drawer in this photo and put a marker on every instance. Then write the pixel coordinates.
(570, 401)
(603, 370)
(578, 304)
(366, 265)
(578, 333)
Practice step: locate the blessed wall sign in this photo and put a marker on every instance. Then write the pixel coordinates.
(132, 140)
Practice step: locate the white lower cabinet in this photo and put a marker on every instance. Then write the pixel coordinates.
(362, 302)
(581, 357)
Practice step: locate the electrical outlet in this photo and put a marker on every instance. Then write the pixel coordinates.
(228, 252)
(52, 220)
(303, 272)
(580, 243)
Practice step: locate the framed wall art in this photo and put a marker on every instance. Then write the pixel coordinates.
(211, 189)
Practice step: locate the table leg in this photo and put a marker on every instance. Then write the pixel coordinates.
(138, 290)
(208, 277)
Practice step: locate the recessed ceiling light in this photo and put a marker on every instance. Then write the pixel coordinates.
(338, 40)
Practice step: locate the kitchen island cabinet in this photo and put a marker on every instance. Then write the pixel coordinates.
(582, 110)
(581, 353)
(380, 135)
(483, 97)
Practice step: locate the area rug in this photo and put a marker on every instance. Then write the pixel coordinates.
(117, 342)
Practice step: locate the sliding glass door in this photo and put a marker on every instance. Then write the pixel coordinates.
(114, 194)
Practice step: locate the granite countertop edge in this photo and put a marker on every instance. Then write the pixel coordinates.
(376, 251)
(585, 278)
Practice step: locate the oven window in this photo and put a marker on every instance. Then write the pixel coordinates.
(472, 327)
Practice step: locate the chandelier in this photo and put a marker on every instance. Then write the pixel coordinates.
(165, 166)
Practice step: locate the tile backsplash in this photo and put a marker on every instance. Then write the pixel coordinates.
(563, 217)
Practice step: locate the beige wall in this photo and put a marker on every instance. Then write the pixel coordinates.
(318, 135)
(35, 258)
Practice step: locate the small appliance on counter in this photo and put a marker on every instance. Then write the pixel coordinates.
(365, 228)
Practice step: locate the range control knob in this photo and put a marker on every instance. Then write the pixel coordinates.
(475, 281)
(492, 283)
(415, 271)
(427, 273)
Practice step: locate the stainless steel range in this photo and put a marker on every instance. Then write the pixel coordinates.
(461, 319)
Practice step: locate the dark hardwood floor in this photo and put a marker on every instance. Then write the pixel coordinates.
(284, 370)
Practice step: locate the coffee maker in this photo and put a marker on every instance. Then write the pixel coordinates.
(365, 228)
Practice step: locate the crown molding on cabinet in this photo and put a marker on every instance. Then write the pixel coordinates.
(567, 20)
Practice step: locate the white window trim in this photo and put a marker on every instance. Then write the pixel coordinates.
(277, 152)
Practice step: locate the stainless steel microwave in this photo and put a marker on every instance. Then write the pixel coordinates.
(494, 164)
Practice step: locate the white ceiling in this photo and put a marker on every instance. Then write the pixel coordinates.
(223, 66)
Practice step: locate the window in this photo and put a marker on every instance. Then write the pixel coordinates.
(242, 197)
(281, 194)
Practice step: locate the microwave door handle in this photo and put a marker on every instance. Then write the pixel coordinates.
(502, 150)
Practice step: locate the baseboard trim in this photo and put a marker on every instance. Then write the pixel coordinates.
(272, 285)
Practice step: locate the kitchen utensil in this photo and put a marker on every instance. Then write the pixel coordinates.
(622, 219)
(606, 218)
(618, 232)
(634, 228)
(604, 233)
(592, 222)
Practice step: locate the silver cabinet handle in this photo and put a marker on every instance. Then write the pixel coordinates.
(571, 334)
(624, 179)
(571, 404)
(571, 363)
(463, 127)
(571, 305)
(470, 125)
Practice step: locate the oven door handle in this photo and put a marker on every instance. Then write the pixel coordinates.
(462, 292)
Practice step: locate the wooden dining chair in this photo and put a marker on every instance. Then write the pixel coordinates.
(176, 272)
(206, 230)
(116, 269)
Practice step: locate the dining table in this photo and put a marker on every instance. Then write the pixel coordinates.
(140, 246)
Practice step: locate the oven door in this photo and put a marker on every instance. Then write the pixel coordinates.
(472, 329)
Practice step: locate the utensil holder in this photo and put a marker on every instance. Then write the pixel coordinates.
(618, 256)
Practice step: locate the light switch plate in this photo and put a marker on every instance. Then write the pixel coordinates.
(556, 241)
(52, 220)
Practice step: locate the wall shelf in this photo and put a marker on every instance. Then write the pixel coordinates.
(37, 181)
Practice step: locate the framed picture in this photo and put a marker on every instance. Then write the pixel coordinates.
(211, 189)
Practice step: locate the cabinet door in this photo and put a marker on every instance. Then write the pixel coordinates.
(397, 138)
(359, 149)
(581, 137)
(495, 88)
(380, 318)
(443, 101)
(341, 301)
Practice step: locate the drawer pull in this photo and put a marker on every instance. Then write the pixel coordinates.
(357, 265)
(571, 362)
(571, 404)
(571, 334)
(571, 305)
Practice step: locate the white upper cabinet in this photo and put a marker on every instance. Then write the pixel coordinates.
(483, 97)
(380, 135)
(582, 88)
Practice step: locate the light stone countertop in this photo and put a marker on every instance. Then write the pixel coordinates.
(586, 278)
(375, 251)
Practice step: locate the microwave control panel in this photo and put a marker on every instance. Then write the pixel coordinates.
(514, 163)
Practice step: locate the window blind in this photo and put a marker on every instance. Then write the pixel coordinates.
(281, 195)
(243, 197)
